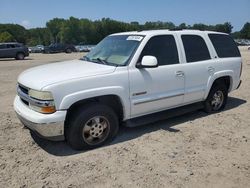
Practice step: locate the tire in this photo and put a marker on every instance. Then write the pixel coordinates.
(19, 56)
(91, 126)
(68, 50)
(217, 98)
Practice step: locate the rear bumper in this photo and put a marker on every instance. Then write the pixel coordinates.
(49, 126)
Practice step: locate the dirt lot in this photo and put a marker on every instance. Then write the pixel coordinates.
(194, 150)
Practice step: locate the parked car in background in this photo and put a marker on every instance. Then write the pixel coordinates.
(90, 47)
(242, 42)
(59, 47)
(84, 48)
(13, 50)
(36, 49)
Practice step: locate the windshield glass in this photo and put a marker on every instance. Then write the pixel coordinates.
(114, 50)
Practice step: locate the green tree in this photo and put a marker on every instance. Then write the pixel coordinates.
(200, 26)
(6, 37)
(182, 26)
(55, 25)
(245, 31)
(18, 32)
(225, 28)
(236, 35)
(158, 25)
(39, 36)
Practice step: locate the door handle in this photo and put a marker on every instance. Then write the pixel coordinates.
(210, 69)
(179, 74)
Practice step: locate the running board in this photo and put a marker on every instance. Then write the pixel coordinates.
(146, 119)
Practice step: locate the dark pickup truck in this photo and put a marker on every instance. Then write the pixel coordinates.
(58, 47)
(13, 50)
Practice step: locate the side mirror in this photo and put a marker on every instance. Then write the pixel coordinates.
(148, 62)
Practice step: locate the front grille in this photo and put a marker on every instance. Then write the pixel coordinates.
(25, 102)
(23, 89)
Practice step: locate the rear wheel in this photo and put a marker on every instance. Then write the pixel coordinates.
(217, 98)
(19, 56)
(91, 126)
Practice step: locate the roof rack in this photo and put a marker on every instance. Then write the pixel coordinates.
(176, 29)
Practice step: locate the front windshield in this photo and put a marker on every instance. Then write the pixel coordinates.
(114, 50)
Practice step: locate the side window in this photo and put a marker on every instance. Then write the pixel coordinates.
(195, 48)
(2, 46)
(164, 48)
(17, 45)
(10, 45)
(224, 45)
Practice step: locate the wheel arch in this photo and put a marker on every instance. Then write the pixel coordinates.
(111, 100)
(20, 52)
(224, 78)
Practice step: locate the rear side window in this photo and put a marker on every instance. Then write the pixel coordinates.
(224, 45)
(18, 45)
(164, 48)
(195, 48)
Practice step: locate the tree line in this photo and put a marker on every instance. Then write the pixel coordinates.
(85, 31)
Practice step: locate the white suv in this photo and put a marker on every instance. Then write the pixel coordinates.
(131, 77)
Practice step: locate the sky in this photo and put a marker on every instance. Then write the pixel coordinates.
(35, 13)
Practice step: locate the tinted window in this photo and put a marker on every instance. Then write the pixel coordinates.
(11, 46)
(224, 45)
(195, 48)
(163, 48)
(2, 46)
(18, 45)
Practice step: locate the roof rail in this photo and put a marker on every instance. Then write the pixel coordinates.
(176, 29)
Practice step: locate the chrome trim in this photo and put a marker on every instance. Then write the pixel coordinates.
(157, 99)
(32, 101)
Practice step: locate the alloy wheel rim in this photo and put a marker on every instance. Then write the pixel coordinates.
(96, 130)
(217, 100)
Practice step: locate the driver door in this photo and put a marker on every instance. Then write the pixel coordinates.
(160, 88)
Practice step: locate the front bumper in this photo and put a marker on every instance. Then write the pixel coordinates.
(49, 126)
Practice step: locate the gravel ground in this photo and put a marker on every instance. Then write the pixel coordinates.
(194, 150)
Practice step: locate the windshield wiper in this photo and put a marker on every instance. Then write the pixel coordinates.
(103, 61)
(100, 61)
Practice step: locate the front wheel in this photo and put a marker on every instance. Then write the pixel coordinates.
(68, 51)
(91, 126)
(19, 56)
(217, 98)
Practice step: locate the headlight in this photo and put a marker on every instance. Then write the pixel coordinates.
(42, 101)
(41, 95)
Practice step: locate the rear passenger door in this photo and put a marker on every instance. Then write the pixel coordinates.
(160, 88)
(199, 66)
(11, 50)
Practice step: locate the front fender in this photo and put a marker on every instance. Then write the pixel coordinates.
(216, 76)
(72, 98)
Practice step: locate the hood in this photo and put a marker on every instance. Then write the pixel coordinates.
(41, 76)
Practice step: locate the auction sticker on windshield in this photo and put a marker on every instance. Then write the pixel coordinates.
(135, 37)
